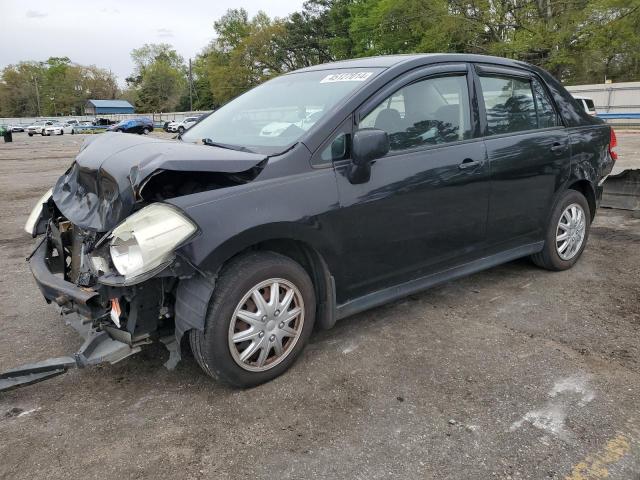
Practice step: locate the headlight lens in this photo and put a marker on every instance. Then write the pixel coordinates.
(148, 238)
(34, 216)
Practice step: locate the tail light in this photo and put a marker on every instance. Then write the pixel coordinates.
(613, 143)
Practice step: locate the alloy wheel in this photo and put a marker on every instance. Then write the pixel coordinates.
(571, 231)
(266, 325)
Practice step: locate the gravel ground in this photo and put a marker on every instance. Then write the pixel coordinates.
(511, 373)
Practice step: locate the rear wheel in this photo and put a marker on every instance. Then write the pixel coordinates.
(260, 317)
(30, 134)
(43, 133)
(145, 131)
(567, 233)
(61, 132)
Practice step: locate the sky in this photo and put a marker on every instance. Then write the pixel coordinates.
(103, 33)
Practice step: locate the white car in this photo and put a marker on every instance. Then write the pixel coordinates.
(58, 129)
(180, 127)
(38, 127)
(275, 129)
(587, 104)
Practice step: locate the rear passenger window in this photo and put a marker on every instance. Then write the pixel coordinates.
(509, 105)
(516, 105)
(429, 112)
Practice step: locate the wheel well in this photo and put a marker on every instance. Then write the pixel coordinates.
(584, 187)
(314, 264)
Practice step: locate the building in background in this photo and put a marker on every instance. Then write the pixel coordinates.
(97, 107)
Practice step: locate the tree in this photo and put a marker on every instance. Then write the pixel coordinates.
(159, 78)
(54, 87)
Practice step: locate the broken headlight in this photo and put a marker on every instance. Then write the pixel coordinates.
(147, 239)
(34, 217)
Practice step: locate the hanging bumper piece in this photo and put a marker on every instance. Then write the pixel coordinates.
(99, 347)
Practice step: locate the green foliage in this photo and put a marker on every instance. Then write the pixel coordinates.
(579, 41)
(54, 87)
(158, 82)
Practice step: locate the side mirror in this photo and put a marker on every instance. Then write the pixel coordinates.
(368, 144)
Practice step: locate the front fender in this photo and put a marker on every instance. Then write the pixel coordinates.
(296, 207)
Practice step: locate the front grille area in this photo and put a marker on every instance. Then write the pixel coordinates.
(70, 246)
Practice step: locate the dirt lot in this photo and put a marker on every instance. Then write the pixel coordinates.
(511, 373)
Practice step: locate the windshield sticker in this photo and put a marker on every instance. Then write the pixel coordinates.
(346, 77)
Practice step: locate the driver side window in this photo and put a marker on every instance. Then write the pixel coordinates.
(428, 112)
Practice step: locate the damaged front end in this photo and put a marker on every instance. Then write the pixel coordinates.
(108, 254)
(114, 311)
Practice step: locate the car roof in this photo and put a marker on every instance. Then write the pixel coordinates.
(389, 61)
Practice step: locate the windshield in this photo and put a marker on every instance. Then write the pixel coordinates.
(277, 113)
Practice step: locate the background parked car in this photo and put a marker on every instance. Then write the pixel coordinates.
(142, 125)
(58, 129)
(17, 128)
(38, 127)
(185, 124)
(587, 104)
(103, 122)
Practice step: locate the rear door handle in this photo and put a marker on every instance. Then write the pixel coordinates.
(558, 147)
(468, 163)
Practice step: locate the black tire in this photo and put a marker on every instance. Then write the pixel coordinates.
(61, 132)
(549, 258)
(73, 131)
(43, 133)
(145, 131)
(119, 130)
(211, 346)
(30, 134)
(181, 130)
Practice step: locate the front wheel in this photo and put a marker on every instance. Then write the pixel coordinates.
(260, 317)
(30, 134)
(567, 233)
(145, 131)
(42, 133)
(180, 130)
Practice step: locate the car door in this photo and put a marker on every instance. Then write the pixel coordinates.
(529, 154)
(425, 205)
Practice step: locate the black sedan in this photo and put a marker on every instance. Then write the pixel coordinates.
(317, 195)
(141, 125)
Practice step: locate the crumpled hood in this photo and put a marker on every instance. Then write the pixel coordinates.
(99, 190)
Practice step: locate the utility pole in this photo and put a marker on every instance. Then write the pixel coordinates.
(35, 80)
(190, 88)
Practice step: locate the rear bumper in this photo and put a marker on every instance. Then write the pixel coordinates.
(56, 289)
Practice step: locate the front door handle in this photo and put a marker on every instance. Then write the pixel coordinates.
(558, 147)
(468, 163)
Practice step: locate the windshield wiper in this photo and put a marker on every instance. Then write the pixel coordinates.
(211, 143)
